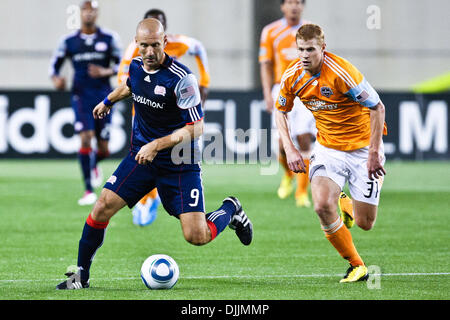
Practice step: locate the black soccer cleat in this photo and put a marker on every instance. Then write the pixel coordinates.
(73, 282)
(240, 223)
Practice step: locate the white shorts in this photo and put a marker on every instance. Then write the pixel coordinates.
(301, 120)
(347, 166)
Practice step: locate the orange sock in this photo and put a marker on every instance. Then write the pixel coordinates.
(303, 180)
(283, 160)
(152, 195)
(341, 238)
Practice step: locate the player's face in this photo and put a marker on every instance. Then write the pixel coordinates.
(311, 54)
(89, 13)
(151, 47)
(292, 9)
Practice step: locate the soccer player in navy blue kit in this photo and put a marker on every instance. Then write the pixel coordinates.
(91, 51)
(168, 112)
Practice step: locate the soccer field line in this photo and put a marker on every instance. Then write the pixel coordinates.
(409, 274)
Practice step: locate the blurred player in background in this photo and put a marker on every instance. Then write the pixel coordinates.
(350, 122)
(168, 111)
(91, 51)
(145, 211)
(277, 51)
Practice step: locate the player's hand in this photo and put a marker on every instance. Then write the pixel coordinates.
(100, 111)
(374, 167)
(96, 71)
(269, 104)
(147, 153)
(59, 83)
(295, 161)
(203, 94)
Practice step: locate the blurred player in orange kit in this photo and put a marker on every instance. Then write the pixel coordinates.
(144, 212)
(277, 51)
(349, 148)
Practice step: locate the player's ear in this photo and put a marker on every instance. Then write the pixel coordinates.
(165, 40)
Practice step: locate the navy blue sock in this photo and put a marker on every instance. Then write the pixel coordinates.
(218, 220)
(84, 156)
(91, 240)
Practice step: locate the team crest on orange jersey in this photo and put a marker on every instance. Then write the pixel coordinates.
(326, 91)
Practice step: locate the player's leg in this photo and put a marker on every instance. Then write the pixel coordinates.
(102, 135)
(84, 157)
(181, 193)
(126, 186)
(92, 238)
(365, 192)
(365, 214)
(325, 194)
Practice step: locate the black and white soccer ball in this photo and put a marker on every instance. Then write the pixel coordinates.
(159, 271)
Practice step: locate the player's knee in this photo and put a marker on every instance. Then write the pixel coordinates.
(324, 208)
(102, 210)
(195, 238)
(366, 224)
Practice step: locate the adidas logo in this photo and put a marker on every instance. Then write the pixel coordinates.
(147, 78)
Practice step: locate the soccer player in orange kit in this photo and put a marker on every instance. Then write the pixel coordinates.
(145, 211)
(349, 148)
(277, 51)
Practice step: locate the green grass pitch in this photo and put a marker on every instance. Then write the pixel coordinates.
(289, 259)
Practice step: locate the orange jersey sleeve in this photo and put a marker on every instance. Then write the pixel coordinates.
(179, 45)
(130, 53)
(339, 98)
(278, 46)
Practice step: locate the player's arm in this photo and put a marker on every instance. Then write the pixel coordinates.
(266, 73)
(188, 99)
(104, 108)
(57, 61)
(374, 161)
(197, 49)
(183, 135)
(293, 156)
(266, 58)
(283, 105)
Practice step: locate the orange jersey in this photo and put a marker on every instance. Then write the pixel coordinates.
(278, 45)
(177, 46)
(338, 96)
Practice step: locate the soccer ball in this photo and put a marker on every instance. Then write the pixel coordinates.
(159, 271)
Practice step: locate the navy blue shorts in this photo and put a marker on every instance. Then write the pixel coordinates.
(179, 186)
(83, 104)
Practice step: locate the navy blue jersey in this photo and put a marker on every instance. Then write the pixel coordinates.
(164, 100)
(101, 48)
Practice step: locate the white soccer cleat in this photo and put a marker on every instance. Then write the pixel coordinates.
(96, 177)
(88, 198)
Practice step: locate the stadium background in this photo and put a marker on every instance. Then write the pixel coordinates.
(41, 222)
(396, 44)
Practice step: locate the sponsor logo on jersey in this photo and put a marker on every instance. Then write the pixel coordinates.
(316, 105)
(88, 56)
(112, 179)
(148, 102)
(326, 91)
(282, 101)
(160, 90)
(101, 46)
